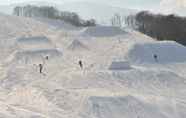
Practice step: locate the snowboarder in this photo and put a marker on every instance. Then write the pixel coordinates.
(81, 64)
(155, 57)
(40, 68)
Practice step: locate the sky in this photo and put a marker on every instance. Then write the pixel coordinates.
(118, 3)
(163, 5)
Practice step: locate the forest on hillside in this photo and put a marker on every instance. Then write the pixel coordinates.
(158, 26)
(52, 13)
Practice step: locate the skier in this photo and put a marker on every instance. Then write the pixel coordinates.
(40, 68)
(155, 57)
(81, 64)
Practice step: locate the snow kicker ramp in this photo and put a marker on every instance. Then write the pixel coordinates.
(103, 31)
(166, 52)
(120, 65)
(34, 43)
(37, 56)
(77, 45)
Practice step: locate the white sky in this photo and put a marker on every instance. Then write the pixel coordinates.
(119, 3)
(136, 4)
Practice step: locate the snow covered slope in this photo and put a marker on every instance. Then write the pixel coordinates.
(12, 28)
(22, 26)
(127, 106)
(142, 89)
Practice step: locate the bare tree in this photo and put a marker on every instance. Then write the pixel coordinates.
(116, 20)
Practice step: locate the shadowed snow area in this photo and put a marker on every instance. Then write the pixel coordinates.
(33, 40)
(77, 45)
(103, 31)
(166, 52)
(33, 43)
(37, 56)
(119, 65)
(122, 74)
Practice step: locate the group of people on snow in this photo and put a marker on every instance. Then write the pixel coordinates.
(47, 58)
(155, 56)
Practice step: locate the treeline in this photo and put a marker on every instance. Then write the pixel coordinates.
(161, 27)
(52, 13)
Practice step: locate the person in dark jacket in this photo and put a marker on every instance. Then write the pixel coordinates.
(155, 57)
(80, 64)
(40, 68)
(46, 57)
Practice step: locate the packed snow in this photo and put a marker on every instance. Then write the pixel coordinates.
(119, 77)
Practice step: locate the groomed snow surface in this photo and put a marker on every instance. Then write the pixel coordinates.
(120, 75)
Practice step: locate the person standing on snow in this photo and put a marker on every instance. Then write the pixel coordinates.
(80, 64)
(155, 57)
(40, 68)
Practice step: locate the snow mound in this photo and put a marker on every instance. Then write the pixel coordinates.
(165, 51)
(36, 56)
(103, 31)
(38, 39)
(77, 45)
(127, 107)
(31, 43)
(120, 65)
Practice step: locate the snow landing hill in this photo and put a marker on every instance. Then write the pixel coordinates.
(120, 78)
